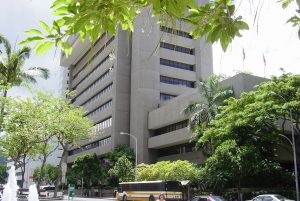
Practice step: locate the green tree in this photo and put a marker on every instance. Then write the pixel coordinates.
(216, 18)
(87, 167)
(202, 112)
(123, 169)
(214, 96)
(22, 126)
(67, 124)
(119, 151)
(3, 173)
(165, 170)
(50, 174)
(72, 176)
(32, 122)
(246, 133)
(11, 69)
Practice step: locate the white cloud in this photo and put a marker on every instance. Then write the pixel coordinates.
(16, 16)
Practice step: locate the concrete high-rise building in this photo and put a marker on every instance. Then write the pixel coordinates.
(122, 78)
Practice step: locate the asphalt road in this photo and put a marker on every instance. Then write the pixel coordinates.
(89, 199)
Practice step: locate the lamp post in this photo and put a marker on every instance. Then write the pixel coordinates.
(293, 146)
(122, 133)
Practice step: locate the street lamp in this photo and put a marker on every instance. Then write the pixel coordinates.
(293, 146)
(122, 133)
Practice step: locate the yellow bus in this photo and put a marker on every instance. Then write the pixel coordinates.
(149, 191)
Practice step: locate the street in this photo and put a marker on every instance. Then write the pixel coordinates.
(89, 199)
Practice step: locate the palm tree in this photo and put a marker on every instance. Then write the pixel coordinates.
(11, 72)
(214, 96)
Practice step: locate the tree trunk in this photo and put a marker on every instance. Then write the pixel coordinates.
(57, 182)
(23, 171)
(239, 190)
(42, 171)
(2, 107)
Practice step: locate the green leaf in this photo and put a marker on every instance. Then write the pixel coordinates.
(80, 23)
(82, 35)
(242, 25)
(61, 11)
(156, 6)
(61, 22)
(34, 31)
(30, 39)
(192, 10)
(224, 40)
(57, 3)
(45, 26)
(44, 47)
(66, 47)
(56, 27)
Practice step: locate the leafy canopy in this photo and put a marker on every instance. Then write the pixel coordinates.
(166, 170)
(119, 151)
(50, 174)
(247, 133)
(87, 167)
(91, 18)
(123, 169)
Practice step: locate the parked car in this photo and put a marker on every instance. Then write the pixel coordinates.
(48, 192)
(271, 197)
(208, 198)
(22, 194)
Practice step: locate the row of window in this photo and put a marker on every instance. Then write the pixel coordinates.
(92, 145)
(97, 53)
(175, 81)
(170, 128)
(87, 52)
(175, 32)
(103, 124)
(91, 72)
(92, 85)
(178, 149)
(177, 48)
(176, 64)
(165, 97)
(98, 95)
(99, 109)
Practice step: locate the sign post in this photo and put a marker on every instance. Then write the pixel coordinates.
(71, 191)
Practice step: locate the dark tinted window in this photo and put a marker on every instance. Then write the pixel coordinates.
(280, 197)
(173, 186)
(268, 198)
(142, 187)
(218, 198)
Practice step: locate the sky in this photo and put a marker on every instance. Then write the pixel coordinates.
(269, 37)
(17, 16)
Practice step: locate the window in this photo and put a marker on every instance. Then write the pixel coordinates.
(103, 124)
(178, 149)
(174, 81)
(90, 73)
(92, 145)
(176, 64)
(99, 109)
(175, 32)
(165, 97)
(98, 95)
(176, 48)
(98, 52)
(170, 128)
(76, 65)
(91, 86)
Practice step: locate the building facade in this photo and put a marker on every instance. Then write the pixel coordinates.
(123, 78)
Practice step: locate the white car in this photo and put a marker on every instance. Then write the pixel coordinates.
(271, 197)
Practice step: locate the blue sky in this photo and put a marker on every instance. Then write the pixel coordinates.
(269, 36)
